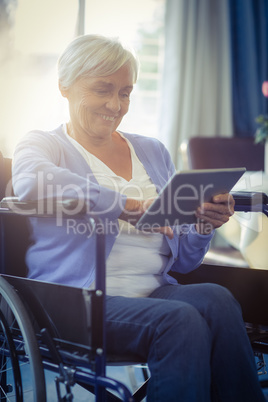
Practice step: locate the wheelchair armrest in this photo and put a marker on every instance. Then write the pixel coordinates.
(245, 201)
(254, 201)
(249, 197)
(48, 207)
(66, 208)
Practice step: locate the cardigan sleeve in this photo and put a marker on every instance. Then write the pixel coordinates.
(37, 175)
(192, 248)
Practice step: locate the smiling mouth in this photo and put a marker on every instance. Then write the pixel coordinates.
(107, 118)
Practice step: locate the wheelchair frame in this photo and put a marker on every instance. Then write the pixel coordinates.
(29, 333)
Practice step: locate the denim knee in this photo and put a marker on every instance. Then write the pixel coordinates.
(219, 297)
(214, 302)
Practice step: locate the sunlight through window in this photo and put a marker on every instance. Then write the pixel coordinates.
(34, 35)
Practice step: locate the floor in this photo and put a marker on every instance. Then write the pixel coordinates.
(131, 377)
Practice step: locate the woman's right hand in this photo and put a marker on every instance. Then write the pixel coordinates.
(133, 211)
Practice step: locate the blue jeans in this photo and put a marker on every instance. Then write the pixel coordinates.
(194, 340)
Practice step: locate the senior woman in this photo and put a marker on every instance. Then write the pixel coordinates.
(192, 336)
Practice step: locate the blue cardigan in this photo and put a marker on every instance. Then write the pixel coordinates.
(46, 164)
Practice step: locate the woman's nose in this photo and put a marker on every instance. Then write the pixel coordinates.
(114, 103)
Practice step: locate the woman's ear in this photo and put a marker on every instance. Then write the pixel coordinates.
(64, 92)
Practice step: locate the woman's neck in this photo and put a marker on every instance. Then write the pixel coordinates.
(88, 141)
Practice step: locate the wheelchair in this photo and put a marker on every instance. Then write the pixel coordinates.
(50, 328)
(41, 330)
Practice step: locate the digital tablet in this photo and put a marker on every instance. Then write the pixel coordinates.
(185, 192)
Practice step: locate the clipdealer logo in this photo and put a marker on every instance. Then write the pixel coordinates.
(50, 191)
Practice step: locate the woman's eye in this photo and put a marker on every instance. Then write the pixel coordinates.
(102, 91)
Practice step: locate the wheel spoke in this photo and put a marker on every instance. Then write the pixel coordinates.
(21, 370)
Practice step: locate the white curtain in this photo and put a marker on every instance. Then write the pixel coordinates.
(196, 90)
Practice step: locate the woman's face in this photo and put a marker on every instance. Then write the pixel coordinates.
(98, 104)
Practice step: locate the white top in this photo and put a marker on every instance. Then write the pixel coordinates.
(135, 265)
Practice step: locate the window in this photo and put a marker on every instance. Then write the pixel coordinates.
(34, 34)
(141, 25)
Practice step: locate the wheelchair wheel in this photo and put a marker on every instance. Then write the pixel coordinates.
(21, 370)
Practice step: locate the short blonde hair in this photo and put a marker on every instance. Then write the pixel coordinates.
(94, 56)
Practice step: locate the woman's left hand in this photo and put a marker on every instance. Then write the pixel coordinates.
(212, 215)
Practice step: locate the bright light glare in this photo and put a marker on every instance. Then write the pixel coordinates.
(120, 18)
(29, 91)
(44, 26)
(30, 98)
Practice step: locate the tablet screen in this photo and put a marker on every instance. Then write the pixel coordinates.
(185, 192)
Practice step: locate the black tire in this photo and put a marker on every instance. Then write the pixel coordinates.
(21, 370)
